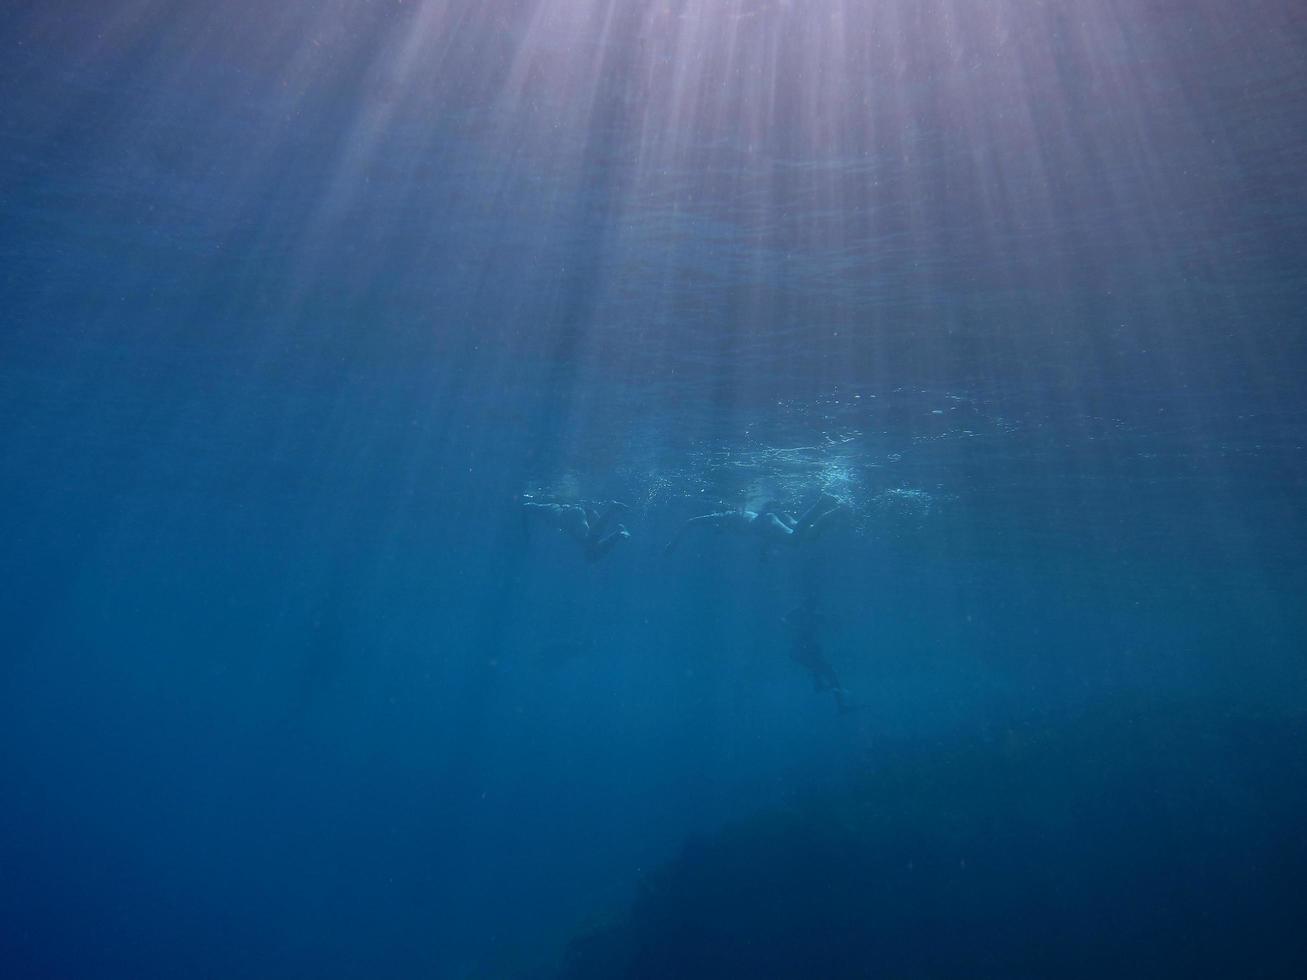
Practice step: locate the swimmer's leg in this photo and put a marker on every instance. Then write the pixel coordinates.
(843, 703)
(770, 507)
(823, 505)
(575, 523)
(599, 521)
(818, 518)
(599, 547)
(773, 528)
(826, 521)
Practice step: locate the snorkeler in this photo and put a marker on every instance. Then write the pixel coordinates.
(590, 529)
(804, 621)
(768, 525)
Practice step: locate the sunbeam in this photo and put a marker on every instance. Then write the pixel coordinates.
(652, 488)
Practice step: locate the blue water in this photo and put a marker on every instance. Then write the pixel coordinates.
(300, 302)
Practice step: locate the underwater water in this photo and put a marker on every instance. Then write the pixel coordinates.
(303, 303)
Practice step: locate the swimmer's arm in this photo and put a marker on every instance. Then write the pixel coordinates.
(710, 520)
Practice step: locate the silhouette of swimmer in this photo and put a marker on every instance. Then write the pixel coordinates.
(595, 532)
(805, 621)
(769, 525)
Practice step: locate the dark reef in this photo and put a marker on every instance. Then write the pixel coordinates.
(1131, 841)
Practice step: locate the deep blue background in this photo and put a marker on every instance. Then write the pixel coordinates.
(296, 303)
